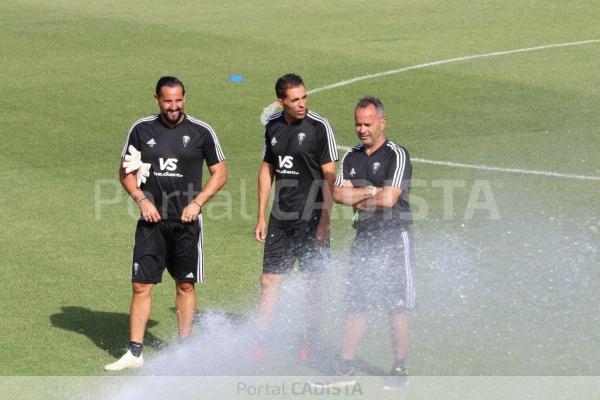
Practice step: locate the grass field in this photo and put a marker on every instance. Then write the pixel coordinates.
(510, 289)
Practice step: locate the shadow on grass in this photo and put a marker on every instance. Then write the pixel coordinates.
(109, 331)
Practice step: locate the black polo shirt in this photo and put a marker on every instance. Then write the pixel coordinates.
(177, 155)
(297, 152)
(389, 165)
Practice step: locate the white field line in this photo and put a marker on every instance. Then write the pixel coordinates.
(271, 107)
(497, 169)
(449, 61)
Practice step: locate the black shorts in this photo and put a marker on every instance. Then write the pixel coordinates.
(168, 244)
(380, 271)
(284, 246)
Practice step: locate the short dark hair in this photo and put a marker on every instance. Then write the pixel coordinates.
(286, 82)
(368, 101)
(169, 81)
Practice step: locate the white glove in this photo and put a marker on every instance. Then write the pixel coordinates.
(133, 162)
(142, 173)
(267, 112)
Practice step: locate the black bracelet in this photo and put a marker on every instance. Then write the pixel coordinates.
(141, 199)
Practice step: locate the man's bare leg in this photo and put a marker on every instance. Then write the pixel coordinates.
(139, 313)
(314, 302)
(185, 303)
(354, 329)
(400, 334)
(269, 296)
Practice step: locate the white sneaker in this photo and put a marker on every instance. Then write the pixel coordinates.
(127, 361)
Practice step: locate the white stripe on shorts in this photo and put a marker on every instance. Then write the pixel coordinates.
(200, 264)
(409, 288)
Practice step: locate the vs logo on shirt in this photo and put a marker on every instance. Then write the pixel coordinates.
(169, 164)
(286, 161)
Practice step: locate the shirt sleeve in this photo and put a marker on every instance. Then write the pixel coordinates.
(132, 139)
(343, 174)
(399, 169)
(268, 156)
(213, 153)
(328, 147)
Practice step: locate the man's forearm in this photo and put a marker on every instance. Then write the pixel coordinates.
(215, 183)
(265, 180)
(129, 183)
(350, 196)
(386, 198)
(327, 187)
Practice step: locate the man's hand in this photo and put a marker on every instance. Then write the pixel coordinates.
(149, 211)
(367, 204)
(190, 212)
(260, 231)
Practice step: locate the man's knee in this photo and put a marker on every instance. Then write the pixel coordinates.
(185, 287)
(141, 289)
(270, 281)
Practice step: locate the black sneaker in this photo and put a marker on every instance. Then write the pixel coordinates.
(344, 376)
(397, 378)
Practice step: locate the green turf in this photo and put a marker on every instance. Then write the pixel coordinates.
(516, 295)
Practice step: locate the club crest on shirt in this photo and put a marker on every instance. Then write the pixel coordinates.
(186, 140)
(273, 141)
(376, 166)
(352, 172)
(151, 142)
(301, 137)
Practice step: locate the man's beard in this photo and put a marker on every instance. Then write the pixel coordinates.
(167, 115)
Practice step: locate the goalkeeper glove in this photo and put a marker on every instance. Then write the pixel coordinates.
(133, 162)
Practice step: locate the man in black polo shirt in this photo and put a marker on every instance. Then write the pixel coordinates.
(161, 169)
(374, 179)
(299, 155)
